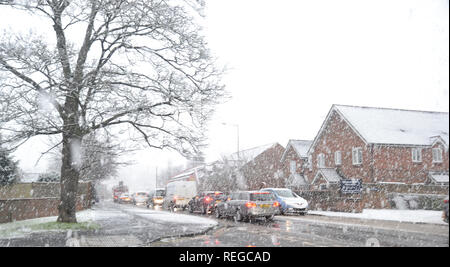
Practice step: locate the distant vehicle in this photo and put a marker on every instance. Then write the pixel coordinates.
(140, 198)
(119, 190)
(445, 212)
(248, 205)
(125, 198)
(289, 201)
(178, 194)
(205, 202)
(156, 197)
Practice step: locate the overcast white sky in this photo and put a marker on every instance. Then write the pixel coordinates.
(290, 60)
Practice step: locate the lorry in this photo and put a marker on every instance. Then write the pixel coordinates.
(178, 194)
(119, 190)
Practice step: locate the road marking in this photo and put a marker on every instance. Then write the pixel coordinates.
(110, 241)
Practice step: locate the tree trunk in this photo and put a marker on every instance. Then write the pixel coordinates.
(69, 179)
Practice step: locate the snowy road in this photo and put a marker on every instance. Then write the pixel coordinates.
(313, 230)
(126, 225)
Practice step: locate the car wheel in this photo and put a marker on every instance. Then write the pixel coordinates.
(270, 218)
(191, 209)
(237, 216)
(203, 210)
(217, 213)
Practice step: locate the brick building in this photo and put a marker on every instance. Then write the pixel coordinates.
(294, 162)
(380, 145)
(259, 165)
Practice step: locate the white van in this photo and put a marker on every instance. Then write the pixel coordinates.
(178, 194)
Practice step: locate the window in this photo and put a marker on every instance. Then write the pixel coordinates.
(321, 160)
(416, 154)
(310, 162)
(293, 166)
(357, 155)
(437, 154)
(338, 157)
(323, 187)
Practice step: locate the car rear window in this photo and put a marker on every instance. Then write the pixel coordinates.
(261, 196)
(159, 193)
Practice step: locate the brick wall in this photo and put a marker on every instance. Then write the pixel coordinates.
(43, 202)
(264, 168)
(332, 200)
(376, 196)
(23, 209)
(337, 135)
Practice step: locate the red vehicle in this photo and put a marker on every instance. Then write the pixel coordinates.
(205, 202)
(119, 190)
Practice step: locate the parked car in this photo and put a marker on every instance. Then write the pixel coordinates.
(205, 202)
(445, 212)
(178, 194)
(125, 198)
(139, 198)
(289, 201)
(248, 205)
(156, 197)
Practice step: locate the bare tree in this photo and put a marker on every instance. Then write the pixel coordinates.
(139, 68)
(99, 158)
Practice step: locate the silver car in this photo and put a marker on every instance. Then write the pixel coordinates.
(248, 205)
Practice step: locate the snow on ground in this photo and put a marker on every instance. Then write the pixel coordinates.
(171, 217)
(414, 216)
(21, 228)
(25, 227)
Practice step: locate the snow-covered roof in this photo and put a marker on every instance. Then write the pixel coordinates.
(296, 180)
(396, 126)
(300, 147)
(250, 154)
(439, 177)
(328, 174)
(187, 173)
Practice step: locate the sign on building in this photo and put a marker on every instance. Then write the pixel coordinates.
(351, 186)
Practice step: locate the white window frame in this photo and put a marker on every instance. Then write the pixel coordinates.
(293, 166)
(338, 158)
(323, 186)
(321, 160)
(357, 157)
(437, 155)
(416, 154)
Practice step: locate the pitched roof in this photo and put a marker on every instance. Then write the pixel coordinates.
(328, 174)
(397, 126)
(250, 154)
(394, 126)
(300, 147)
(296, 180)
(439, 177)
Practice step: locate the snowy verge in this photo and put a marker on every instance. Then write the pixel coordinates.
(413, 216)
